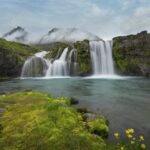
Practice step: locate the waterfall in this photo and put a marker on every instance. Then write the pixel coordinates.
(59, 67)
(35, 66)
(66, 63)
(101, 57)
(73, 64)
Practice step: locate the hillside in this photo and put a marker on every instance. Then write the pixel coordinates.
(132, 54)
(13, 56)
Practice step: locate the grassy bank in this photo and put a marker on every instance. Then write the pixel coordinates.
(37, 121)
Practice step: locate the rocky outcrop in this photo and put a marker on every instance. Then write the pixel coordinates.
(83, 57)
(17, 34)
(132, 54)
(12, 57)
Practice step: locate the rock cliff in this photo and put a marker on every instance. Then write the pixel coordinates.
(132, 54)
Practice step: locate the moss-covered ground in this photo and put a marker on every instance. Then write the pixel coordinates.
(37, 121)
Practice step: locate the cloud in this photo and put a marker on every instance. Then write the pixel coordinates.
(142, 11)
(137, 21)
(105, 18)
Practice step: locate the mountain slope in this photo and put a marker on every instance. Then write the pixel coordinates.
(12, 57)
(17, 34)
(67, 35)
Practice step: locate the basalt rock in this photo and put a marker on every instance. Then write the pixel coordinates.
(132, 54)
(12, 57)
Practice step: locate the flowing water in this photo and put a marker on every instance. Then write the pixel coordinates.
(66, 64)
(59, 67)
(124, 101)
(35, 66)
(101, 57)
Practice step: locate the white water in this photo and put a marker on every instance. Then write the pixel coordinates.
(101, 57)
(67, 64)
(35, 66)
(73, 64)
(41, 54)
(59, 67)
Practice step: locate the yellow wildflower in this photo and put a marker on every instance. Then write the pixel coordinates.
(134, 138)
(143, 146)
(116, 135)
(132, 142)
(141, 138)
(129, 136)
(127, 131)
(131, 130)
(121, 148)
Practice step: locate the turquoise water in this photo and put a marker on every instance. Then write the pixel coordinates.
(124, 101)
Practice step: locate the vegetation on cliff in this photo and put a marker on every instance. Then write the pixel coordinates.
(12, 57)
(56, 50)
(83, 56)
(34, 120)
(131, 54)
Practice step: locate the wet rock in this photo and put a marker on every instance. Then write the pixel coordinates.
(83, 110)
(73, 101)
(89, 116)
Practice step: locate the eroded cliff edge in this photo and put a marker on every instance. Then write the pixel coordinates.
(132, 54)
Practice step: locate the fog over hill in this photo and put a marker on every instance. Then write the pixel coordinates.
(67, 35)
(19, 34)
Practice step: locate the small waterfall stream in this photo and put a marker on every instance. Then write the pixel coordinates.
(73, 64)
(59, 67)
(35, 66)
(101, 57)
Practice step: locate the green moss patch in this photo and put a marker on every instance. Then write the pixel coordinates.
(57, 49)
(83, 56)
(131, 54)
(41, 122)
(13, 56)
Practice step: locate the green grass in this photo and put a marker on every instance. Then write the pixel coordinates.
(37, 121)
(17, 48)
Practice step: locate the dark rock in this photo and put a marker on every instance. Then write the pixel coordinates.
(28, 90)
(89, 116)
(83, 110)
(83, 57)
(12, 57)
(73, 101)
(132, 54)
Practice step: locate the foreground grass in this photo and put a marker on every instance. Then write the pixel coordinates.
(36, 121)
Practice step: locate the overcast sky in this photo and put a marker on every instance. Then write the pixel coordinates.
(106, 18)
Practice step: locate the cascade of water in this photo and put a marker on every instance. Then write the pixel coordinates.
(64, 64)
(59, 67)
(35, 66)
(73, 64)
(101, 57)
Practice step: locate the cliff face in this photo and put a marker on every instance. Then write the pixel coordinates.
(83, 54)
(83, 57)
(12, 57)
(132, 54)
